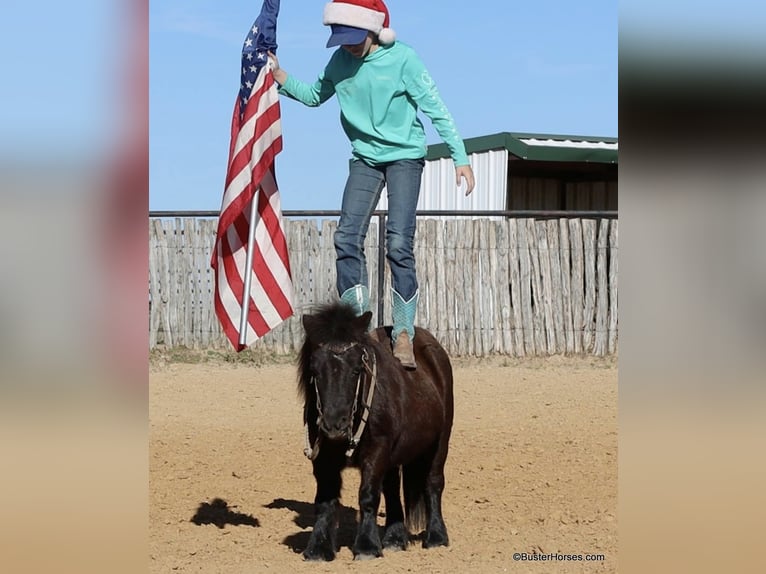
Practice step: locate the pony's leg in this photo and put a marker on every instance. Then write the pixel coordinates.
(396, 536)
(367, 543)
(323, 541)
(436, 530)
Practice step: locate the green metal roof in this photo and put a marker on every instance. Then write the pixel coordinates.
(547, 147)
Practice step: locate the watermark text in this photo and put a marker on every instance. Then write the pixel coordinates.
(556, 557)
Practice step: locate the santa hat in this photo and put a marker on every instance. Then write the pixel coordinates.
(369, 15)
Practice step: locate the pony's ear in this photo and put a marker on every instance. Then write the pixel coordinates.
(363, 321)
(309, 323)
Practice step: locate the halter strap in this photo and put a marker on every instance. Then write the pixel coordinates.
(311, 451)
(354, 442)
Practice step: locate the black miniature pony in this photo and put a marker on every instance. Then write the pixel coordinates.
(363, 409)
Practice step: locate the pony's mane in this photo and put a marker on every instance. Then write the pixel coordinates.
(332, 326)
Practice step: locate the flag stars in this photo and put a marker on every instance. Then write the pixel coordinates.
(254, 59)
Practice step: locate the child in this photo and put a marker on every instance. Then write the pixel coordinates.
(380, 84)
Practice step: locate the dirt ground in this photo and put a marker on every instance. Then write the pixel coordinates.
(532, 469)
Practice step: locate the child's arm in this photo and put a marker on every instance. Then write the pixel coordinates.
(422, 88)
(309, 94)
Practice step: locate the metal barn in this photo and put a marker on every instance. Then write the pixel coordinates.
(521, 171)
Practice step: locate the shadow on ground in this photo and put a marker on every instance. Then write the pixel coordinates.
(219, 513)
(304, 518)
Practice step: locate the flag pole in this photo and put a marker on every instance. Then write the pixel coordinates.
(248, 270)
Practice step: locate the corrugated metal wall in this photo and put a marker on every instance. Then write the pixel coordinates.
(496, 189)
(438, 190)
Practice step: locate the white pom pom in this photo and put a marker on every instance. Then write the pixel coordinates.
(386, 36)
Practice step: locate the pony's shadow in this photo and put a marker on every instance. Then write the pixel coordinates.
(305, 517)
(219, 513)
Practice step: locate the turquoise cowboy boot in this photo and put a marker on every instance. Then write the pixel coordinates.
(403, 334)
(358, 297)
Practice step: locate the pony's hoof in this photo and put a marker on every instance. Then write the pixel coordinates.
(434, 539)
(367, 556)
(366, 550)
(318, 555)
(396, 537)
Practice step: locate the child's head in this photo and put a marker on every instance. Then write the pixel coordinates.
(352, 20)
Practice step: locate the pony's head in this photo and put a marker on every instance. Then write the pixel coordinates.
(333, 360)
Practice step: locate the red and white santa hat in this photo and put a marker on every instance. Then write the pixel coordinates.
(369, 15)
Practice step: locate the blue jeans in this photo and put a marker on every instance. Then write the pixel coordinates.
(363, 187)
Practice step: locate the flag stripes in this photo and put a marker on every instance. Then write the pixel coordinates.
(256, 139)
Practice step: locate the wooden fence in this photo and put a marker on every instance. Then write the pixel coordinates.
(518, 287)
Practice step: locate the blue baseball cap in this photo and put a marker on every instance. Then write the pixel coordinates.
(345, 36)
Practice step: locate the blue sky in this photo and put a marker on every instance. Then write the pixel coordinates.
(54, 103)
(545, 67)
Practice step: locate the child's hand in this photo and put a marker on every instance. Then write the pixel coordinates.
(465, 171)
(279, 74)
(274, 61)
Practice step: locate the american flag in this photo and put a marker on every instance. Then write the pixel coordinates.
(256, 139)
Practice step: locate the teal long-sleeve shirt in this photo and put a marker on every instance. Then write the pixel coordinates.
(379, 96)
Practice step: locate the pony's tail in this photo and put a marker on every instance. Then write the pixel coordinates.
(414, 487)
